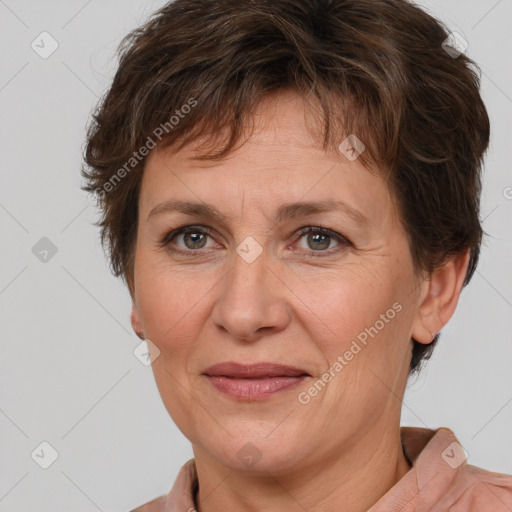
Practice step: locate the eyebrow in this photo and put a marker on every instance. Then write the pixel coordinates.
(285, 212)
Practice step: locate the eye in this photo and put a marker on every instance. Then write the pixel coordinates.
(192, 240)
(320, 239)
(189, 239)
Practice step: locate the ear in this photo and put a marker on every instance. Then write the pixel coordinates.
(136, 323)
(439, 298)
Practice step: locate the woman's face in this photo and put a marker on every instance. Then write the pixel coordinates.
(341, 306)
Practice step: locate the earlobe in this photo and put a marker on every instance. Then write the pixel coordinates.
(136, 323)
(440, 299)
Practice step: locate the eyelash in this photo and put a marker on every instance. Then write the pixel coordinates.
(343, 241)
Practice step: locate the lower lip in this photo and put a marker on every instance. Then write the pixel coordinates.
(254, 389)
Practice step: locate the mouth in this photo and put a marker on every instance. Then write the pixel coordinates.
(253, 371)
(254, 382)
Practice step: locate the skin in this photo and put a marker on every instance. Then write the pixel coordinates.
(343, 447)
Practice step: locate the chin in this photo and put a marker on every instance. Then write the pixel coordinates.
(256, 452)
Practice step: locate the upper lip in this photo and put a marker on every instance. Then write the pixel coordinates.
(247, 371)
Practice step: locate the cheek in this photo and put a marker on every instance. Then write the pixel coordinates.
(361, 323)
(169, 303)
(359, 319)
(348, 301)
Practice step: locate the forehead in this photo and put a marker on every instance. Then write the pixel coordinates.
(281, 161)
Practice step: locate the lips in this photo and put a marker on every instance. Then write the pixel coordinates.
(254, 382)
(253, 371)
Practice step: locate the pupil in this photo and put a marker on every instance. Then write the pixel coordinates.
(315, 237)
(195, 240)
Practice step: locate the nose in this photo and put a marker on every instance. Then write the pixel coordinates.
(252, 300)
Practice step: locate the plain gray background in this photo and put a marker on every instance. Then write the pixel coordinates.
(68, 373)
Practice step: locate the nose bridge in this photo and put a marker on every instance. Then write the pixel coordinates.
(250, 297)
(245, 288)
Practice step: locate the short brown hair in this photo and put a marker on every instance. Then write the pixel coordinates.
(378, 69)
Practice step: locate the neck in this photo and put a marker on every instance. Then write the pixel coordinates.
(353, 479)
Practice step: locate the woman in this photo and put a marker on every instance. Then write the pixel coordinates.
(290, 190)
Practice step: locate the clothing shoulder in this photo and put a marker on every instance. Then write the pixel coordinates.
(156, 505)
(441, 479)
(487, 490)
